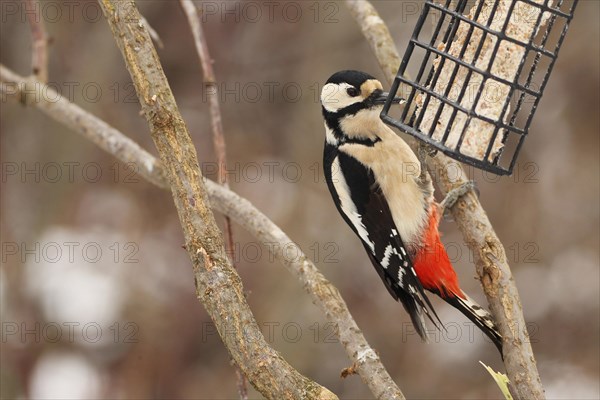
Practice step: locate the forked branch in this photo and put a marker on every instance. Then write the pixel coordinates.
(322, 292)
(218, 285)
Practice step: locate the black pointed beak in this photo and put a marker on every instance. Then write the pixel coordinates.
(380, 97)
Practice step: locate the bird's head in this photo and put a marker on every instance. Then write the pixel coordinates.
(352, 102)
(352, 91)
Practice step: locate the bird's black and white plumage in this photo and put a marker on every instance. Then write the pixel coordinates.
(363, 206)
(377, 186)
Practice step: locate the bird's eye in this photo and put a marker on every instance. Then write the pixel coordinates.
(353, 92)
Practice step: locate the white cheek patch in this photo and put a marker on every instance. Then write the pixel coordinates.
(334, 97)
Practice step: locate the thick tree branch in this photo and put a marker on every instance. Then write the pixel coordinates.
(490, 257)
(218, 285)
(322, 292)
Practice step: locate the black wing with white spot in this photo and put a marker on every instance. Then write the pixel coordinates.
(362, 205)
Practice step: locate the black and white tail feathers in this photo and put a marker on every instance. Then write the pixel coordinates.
(469, 307)
(416, 311)
(479, 316)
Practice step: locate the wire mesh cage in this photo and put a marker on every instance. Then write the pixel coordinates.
(480, 70)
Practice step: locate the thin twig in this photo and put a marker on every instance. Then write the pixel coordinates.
(153, 33)
(325, 296)
(210, 85)
(59, 108)
(218, 285)
(39, 56)
(242, 387)
(218, 136)
(478, 233)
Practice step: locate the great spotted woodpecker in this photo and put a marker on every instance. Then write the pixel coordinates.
(378, 187)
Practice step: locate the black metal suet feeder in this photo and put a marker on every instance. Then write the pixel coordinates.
(480, 72)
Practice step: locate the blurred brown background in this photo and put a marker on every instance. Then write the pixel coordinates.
(97, 295)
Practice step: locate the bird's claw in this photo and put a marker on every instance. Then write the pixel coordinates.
(453, 195)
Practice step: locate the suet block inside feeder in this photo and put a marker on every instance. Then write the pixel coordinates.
(480, 69)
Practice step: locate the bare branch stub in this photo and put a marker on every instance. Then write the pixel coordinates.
(39, 55)
(218, 285)
(478, 233)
